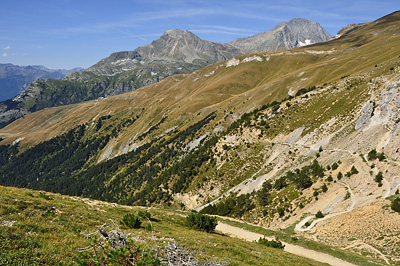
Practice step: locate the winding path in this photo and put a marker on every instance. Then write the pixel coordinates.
(360, 243)
(294, 249)
(299, 226)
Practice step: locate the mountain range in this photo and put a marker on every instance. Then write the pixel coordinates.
(13, 78)
(175, 52)
(303, 142)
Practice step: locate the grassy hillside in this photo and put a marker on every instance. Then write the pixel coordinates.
(273, 138)
(43, 228)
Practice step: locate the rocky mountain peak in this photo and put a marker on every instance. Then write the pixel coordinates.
(286, 35)
(178, 33)
(177, 47)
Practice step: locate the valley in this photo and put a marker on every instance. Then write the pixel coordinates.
(301, 145)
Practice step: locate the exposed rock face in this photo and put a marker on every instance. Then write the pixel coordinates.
(286, 35)
(365, 118)
(176, 47)
(382, 110)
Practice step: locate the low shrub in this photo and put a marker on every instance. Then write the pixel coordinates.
(131, 254)
(319, 215)
(339, 175)
(379, 177)
(270, 243)
(144, 214)
(201, 222)
(131, 220)
(396, 204)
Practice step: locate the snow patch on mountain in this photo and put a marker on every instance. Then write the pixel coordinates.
(305, 43)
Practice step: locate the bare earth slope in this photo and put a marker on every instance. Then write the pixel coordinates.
(272, 138)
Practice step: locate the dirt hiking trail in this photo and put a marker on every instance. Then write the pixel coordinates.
(294, 249)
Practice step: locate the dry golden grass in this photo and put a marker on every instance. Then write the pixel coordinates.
(242, 87)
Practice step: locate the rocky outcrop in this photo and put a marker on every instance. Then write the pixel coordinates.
(382, 110)
(286, 35)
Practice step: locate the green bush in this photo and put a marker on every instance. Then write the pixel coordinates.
(263, 196)
(353, 170)
(319, 215)
(271, 243)
(148, 227)
(379, 177)
(45, 196)
(396, 204)
(144, 214)
(128, 255)
(339, 175)
(281, 211)
(372, 155)
(131, 220)
(201, 222)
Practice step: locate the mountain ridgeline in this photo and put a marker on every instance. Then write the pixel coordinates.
(13, 78)
(302, 140)
(286, 35)
(147, 141)
(175, 52)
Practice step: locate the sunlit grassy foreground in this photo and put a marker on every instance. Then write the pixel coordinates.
(39, 228)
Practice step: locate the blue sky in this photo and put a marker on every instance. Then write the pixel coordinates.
(72, 33)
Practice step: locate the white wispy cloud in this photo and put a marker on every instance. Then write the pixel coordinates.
(144, 17)
(137, 20)
(4, 55)
(221, 28)
(7, 47)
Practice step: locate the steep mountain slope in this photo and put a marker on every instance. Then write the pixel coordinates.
(13, 79)
(286, 35)
(262, 137)
(175, 52)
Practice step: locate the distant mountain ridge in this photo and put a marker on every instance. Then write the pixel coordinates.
(175, 52)
(286, 35)
(178, 46)
(174, 47)
(14, 78)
